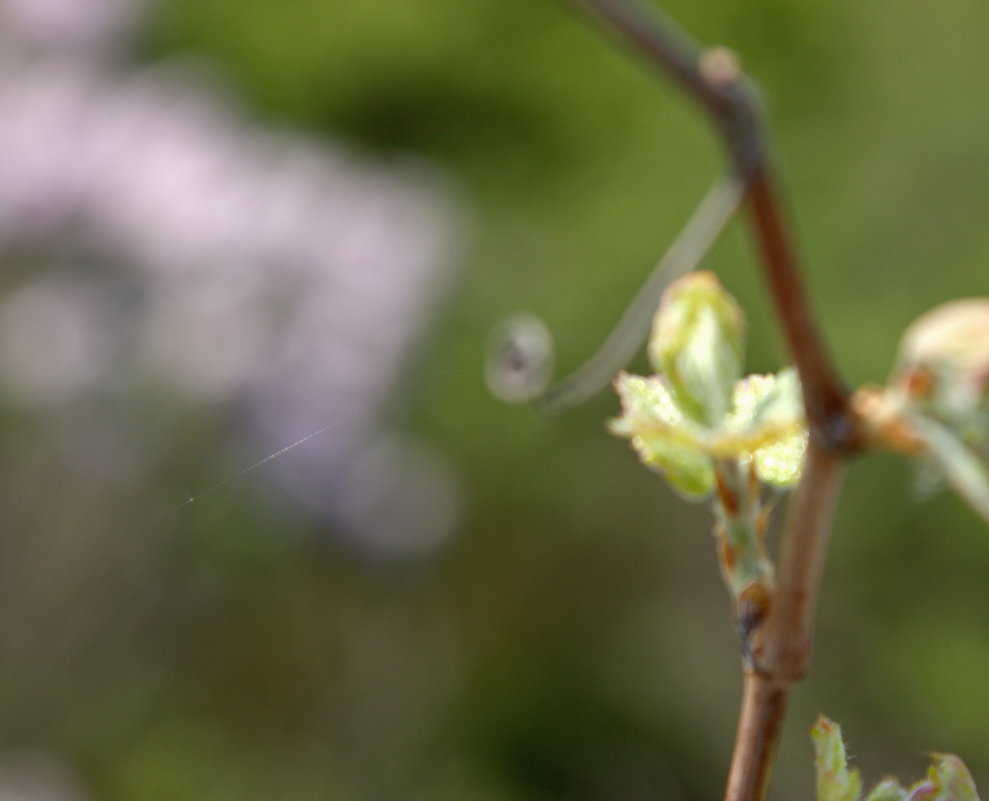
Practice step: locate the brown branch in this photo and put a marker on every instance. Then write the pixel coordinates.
(781, 649)
(729, 99)
(730, 103)
(829, 416)
(759, 727)
(785, 647)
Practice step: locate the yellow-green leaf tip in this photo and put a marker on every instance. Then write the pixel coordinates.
(835, 782)
(697, 342)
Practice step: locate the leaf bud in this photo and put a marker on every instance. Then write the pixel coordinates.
(697, 342)
(944, 362)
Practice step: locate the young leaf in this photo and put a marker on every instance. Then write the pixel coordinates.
(947, 780)
(835, 782)
(697, 342)
(943, 365)
(663, 438)
(936, 406)
(888, 790)
(768, 420)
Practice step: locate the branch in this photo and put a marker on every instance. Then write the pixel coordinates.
(726, 95)
(829, 416)
(784, 650)
(759, 727)
(782, 647)
(724, 92)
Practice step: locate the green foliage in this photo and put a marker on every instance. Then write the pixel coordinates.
(947, 779)
(764, 426)
(686, 421)
(697, 343)
(663, 436)
(937, 403)
(835, 782)
(704, 428)
(942, 384)
(576, 169)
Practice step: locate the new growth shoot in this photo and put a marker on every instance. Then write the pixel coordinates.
(739, 441)
(714, 434)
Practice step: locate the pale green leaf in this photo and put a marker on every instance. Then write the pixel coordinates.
(697, 343)
(770, 401)
(943, 364)
(835, 782)
(888, 790)
(947, 780)
(768, 418)
(781, 463)
(663, 438)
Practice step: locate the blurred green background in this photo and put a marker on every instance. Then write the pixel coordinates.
(572, 639)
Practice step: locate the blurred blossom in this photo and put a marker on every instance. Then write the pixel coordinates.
(69, 27)
(205, 338)
(419, 492)
(54, 340)
(36, 776)
(264, 271)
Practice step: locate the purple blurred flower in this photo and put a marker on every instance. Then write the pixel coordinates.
(265, 271)
(75, 28)
(37, 776)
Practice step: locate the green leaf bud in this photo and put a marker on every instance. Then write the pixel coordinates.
(937, 403)
(888, 790)
(767, 422)
(949, 780)
(662, 437)
(765, 428)
(943, 366)
(697, 342)
(835, 782)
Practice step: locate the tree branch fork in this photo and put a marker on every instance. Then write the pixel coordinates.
(781, 647)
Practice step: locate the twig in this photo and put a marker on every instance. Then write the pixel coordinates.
(759, 727)
(729, 102)
(782, 647)
(729, 99)
(785, 646)
(829, 416)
